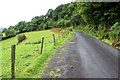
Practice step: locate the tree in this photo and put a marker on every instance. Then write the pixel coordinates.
(10, 33)
(4, 30)
(73, 14)
(20, 26)
(49, 14)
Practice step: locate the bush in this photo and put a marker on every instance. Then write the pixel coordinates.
(21, 37)
(10, 33)
(115, 32)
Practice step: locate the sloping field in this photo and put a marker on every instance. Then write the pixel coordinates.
(29, 63)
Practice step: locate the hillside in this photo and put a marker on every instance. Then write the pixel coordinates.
(27, 53)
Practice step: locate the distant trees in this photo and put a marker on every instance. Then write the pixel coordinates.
(4, 30)
(71, 15)
(10, 33)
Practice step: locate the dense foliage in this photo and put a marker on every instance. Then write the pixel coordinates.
(98, 16)
(10, 32)
(115, 32)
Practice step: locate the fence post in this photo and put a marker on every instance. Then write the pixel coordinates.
(54, 39)
(13, 61)
(42, 45)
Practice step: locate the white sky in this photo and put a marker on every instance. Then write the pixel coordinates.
(14, 11)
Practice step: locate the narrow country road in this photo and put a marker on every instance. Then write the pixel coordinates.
(97, 58)
(84, 57)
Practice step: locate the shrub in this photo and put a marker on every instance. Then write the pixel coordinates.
(115, 32)
(21, 37)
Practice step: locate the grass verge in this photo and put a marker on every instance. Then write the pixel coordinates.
(97, 35)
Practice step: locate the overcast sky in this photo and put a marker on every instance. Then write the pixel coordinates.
(14, 11)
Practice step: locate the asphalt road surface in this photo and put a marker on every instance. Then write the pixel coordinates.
(97, 58)
(85, 57)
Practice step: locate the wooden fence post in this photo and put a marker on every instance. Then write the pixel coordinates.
(54, 39)
(42, 45)
(13, 61)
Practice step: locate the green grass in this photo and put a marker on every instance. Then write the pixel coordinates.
(97, 35)
(29, 64)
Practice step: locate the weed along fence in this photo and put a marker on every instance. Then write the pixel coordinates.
(56, 38)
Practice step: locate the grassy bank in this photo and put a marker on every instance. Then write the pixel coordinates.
(30, 64)
(102, 34)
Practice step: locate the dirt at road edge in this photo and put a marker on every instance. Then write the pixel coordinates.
(65, 62)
